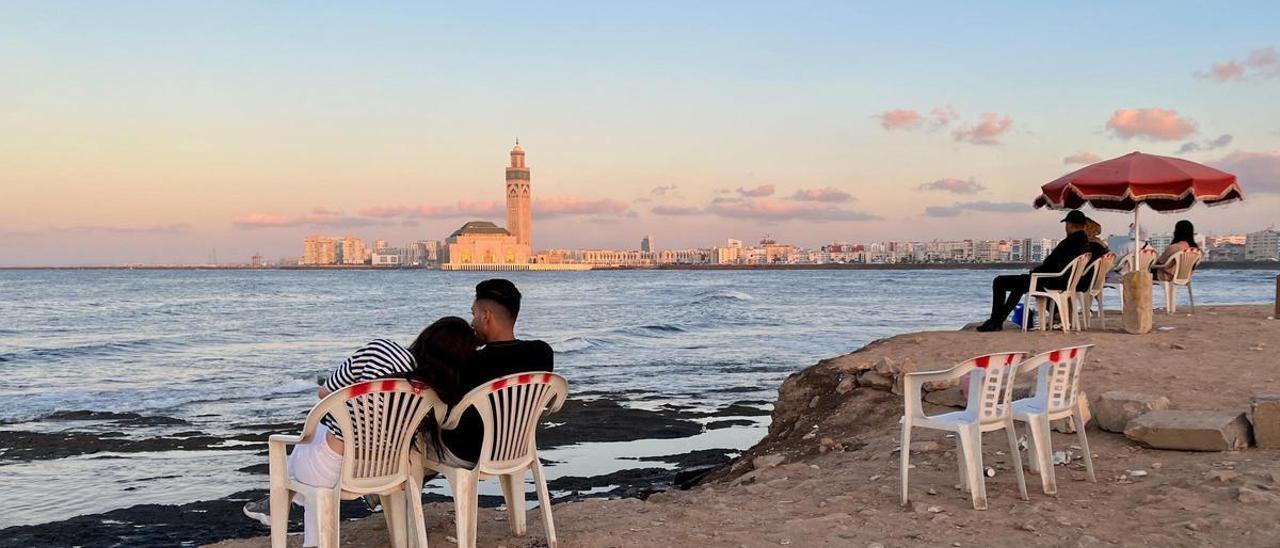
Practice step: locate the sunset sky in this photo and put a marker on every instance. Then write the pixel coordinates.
(154, 132)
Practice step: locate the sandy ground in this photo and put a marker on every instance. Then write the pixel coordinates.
(847, 494)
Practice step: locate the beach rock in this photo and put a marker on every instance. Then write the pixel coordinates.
(887, 366)
(1137, 312)
(1251, 496)
(1222, 476)
(846, 386)
(1116, 408)
(932, 386)
(1190, 430)
(875, 380)
(1265, 415)
(950, 397)
(768, 461)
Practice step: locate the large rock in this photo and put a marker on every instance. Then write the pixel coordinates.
(1116, 408)
(1265, 414)
(951, 397)
(1137, 302)
(1190, 430)
(873, 379)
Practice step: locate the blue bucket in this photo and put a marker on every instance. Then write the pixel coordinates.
(1017, 314)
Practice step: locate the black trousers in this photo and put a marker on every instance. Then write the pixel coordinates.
(1006, 292)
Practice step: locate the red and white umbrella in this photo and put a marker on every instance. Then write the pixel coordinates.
(1120, 184)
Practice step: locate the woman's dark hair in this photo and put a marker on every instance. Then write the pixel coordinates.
(441, 351)
(1183, 231)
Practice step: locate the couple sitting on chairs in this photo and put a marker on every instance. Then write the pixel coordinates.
(445, 358)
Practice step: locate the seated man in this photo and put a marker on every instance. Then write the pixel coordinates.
(494, 312)
(1007, 290)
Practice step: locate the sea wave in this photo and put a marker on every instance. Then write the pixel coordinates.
(577, 344)
(722, 295)
(28, 407)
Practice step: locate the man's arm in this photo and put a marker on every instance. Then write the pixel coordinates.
(1058, 259)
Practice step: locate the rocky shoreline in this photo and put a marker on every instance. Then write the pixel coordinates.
(603, 419)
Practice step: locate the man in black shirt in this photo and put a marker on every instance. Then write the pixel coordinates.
(494, 312)
(1007, 290)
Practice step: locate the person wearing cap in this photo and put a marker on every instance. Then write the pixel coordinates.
(1007, 290)
(493, 317)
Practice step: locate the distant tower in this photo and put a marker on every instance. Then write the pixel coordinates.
(519, 199)
(646, 244)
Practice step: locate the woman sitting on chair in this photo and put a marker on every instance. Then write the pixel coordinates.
(1184, 238)
(435, 358)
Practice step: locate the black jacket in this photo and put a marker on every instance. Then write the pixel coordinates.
(1074, 245)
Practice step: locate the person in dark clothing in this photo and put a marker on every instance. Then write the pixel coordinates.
(493, 313)
(1097, 248)
(1007, 290)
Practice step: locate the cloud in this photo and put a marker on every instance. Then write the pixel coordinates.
(954, 186)
(979, 206)
(675, 210)
(1152, 124)
(1257, 172)
(829, 195)
(327, 220)
(757, 192)
(176, 228)
(1082, 158)
(1207, 145)
(985, 132)
(900, 119)
(562, 206)
(783, 210)
(943, 116)
(1262, 63)
(663, 190)
(425, 211)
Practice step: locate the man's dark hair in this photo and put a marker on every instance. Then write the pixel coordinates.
(502, 292)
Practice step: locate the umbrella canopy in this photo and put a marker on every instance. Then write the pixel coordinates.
(1120, 184)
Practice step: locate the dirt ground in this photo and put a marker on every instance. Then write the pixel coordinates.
(843, 490)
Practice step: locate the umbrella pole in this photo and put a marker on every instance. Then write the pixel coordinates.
(1137, 238)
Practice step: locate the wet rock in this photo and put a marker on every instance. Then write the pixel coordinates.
(1116, 408)
(730, 423)
(1190, 430)
(1265, 414)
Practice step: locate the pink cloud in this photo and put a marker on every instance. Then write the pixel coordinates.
(900, 119)
(564, 205)
(757, 192)
(985, 132)
(954, 186)
(663, 190)
(828, 194)
(675, 211)
(1152, 124)
(1224, 72)
(978, 207)
(326, 219)
(459, 209)
(1260, 63)
(783, 210)
(943, 116)
(1081, 158)
(1256, 171)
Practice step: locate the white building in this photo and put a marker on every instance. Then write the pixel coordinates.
(1263, 245)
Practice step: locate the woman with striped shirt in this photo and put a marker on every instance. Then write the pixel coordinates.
(435, 358)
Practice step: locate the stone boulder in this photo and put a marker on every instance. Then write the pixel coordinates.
(1116, 408)
(873, 379)
(1265, 415)
(1137, 310)
(1190, 430)
(950, 397)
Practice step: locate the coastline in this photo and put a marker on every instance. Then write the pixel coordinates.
(1222, 265)
(825, 475)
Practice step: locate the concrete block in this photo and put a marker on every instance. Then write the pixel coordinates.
(1137, 302)
(1264, 413)
(1116, 408)
(1190, 430)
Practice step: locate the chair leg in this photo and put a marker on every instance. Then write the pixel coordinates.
(1026, 312)
(1170, 304)
(905, 458)
(393, 512)
(1017, 460)
(463, 483)
(513, 492)
(972, 442)
(417, 520)
(1033, 454)
(1191, 298)
(1078, 418)
(1064, 312)
(327, 518)
(544, 503)
(280, 496)
(1039, 425)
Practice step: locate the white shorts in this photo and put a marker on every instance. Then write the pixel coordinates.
(315, 463)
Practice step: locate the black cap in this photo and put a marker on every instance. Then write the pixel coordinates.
(1075, 217)
(502, 292)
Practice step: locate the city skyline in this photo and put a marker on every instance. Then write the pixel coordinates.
(689, 124)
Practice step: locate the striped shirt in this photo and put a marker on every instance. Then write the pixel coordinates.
(377, 359)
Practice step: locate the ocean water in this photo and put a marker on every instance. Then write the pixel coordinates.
(222, 349)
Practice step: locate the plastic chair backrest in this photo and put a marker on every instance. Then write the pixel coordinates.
(1057, 376)
(511, 408)
(1100, 268)
(378, 419)
(1145, 258)
(1076, 271)
(1184, 263)
(991, 391)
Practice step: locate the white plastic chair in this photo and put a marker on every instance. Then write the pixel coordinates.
(1061, 299)
(510, 408)
(1085, 299)
(1056, 396)
(378, 420)
(988, 409)
(1145, 257)
(1184, 264)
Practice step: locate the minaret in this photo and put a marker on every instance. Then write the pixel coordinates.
(519, 200)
